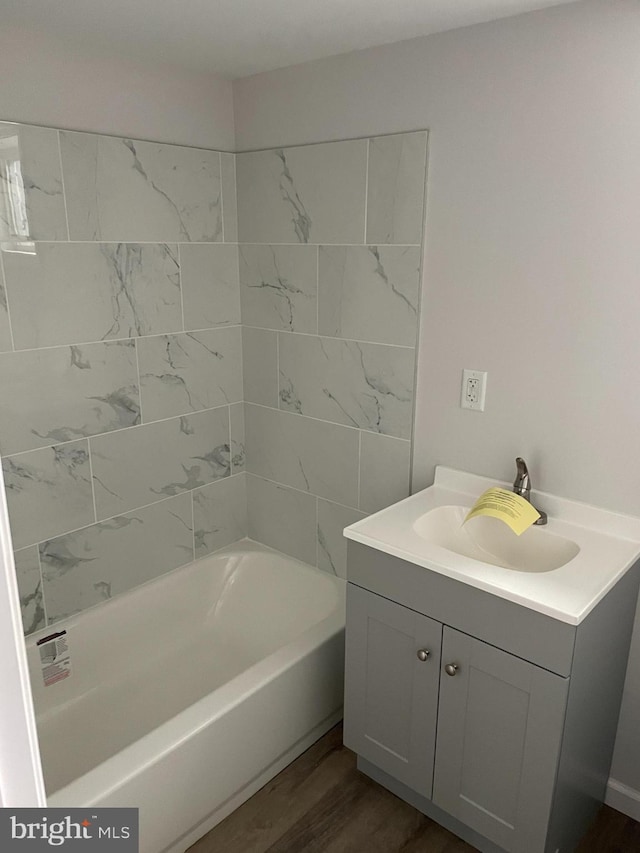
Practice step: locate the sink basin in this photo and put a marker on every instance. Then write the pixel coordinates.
(489, 540)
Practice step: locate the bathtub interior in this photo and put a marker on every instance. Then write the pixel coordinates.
(143, 658)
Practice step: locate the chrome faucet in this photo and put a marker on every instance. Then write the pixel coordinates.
(522, 487)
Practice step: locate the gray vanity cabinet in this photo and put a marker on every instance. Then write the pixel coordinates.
(499, 733)
(393, 656)
(493, 719)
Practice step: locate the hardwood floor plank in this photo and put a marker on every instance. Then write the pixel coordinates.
(321, 804)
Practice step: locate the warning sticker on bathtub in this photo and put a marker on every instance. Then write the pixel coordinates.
(55, 658)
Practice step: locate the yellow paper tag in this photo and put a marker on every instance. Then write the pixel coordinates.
(514, 510)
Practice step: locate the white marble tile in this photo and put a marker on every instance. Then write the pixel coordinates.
(310, 455)
(229, 198)
(238, 451)
(308, 194)
(109, 558)
(31, 192)
(384, 471)
(279, 287)
(189, 372)
(396, 184)
(363, 385)
(136, 466)
(282, 518)
(210, 285)
(219, 514)
(30, 589)
(69, 293)
(332, 546)
(48, 491)
(260, 366)
(59, 394)
(5, 330)
(369, 293)
(123, 189)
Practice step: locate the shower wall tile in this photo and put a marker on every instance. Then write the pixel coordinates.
(123, 189)
(309, 194)
(332, 546)
(146, 463)
(59, 394)
(396, 184)
(384, 471)
(210, 285)
(31, 193)
(363, 385)
(189, 372)
(369, 293)
(48, 491)
(92, 565)
(279, 287)
(238, 451)
(229, 197)
(282, 518)
(260, 366)
(307, 454)
(30, 589)
(5, 330)
(219, 514)
(66, 293)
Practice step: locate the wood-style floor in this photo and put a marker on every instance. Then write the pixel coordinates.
(321, 804)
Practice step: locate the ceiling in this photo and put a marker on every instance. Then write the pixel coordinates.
(236, 38)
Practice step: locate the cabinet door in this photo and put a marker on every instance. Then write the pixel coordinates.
(391, 694)
(499, 731)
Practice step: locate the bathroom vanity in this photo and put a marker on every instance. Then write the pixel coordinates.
(487, 694)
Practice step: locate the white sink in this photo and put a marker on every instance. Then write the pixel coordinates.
(491, 541)
(562, 569)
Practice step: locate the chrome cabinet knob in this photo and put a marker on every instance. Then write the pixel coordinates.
(451, 668)
(423, 654)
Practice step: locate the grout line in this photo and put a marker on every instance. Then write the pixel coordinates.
(3, 278)
(301, 491)
(64, 192)
(174, 242)
(221, 197)
(180, 279)
(278, 389)
(44, 598)
(329, 337)
(322, 421)
(134, 338)
(135, 346)
(317, 530)
(230, 442)
(317, 290)
(359, 466)
(121, 429)
(320, 243)
(93, 490)
(112, 517)
(366, 192)
(193, 527)
(333, 141)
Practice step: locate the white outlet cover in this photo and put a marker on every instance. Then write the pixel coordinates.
(480, 376)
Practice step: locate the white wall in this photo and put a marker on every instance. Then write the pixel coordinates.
(533, 249)
(44, 82)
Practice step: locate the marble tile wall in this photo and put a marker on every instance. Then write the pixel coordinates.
(122, 421)
(329, 263)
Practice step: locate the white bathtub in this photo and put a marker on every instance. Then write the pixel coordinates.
(189, 693)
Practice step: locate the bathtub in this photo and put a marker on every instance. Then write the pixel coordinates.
(189, 693)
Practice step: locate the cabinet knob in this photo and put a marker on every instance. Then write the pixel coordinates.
(423, 654)
(451, 668)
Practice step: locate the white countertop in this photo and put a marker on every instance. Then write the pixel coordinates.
(609, 545)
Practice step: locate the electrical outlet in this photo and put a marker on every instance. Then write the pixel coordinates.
(474, 387)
